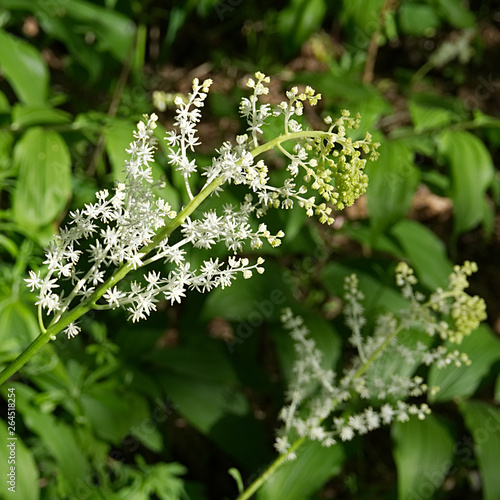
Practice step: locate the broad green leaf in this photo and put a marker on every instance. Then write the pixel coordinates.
(114, 31)
(59, 440)
(6, 141)
(392, 183)
(119, 135)
(425, 251)
(108, 412)
(18, 326)
(483, 421)
(418, 19)
(483, 349)
(299, 20)
(70, 22)
(27, 115)
(472, 172)
(203, 403)
(4, 103)
(25, 471)
(300, 478)
(206, 362)
(423, 452)
(251, 302)
(114, 415)
(430, 111)
(25, 70)
(362, 17)
(456, 13)
(378, 295)
(44, 183)
(201, 382)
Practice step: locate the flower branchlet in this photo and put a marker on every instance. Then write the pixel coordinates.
(131, 228)
(313, 411)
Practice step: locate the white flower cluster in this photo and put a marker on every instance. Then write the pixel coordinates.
(132, 227)
(316, 394)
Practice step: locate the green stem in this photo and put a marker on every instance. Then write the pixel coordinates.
(271, 470)
(299, 442)
(118, 275)
(90, 303)
(301, 134)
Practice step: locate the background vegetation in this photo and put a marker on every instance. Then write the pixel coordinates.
(164, 408)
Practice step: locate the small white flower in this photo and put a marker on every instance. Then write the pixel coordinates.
(72, 330)
(34, 281)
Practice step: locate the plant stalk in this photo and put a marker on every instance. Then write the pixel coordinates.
(90, 303)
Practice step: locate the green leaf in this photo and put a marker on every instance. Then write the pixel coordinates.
(59, 440)
(118, 138)
(25, 70)
(107, 411)
(203, 403)
(472, 173)
(426, 252)
(204, 361)
(392, 183)
(483, 349)
(379, 296)
(423, 451)
(455, 12)
(251, 302)
(201, 383)
(483, 421)
(6, 141)
(418, 19)
(4, 103)
(44, 183)
(298, 21)
(25, 470)
(29, 115)
(18, 326)
(70, 22)
(430, 111)
(300, 478)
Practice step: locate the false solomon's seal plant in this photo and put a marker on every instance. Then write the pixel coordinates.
(131, 227)
(325, 406)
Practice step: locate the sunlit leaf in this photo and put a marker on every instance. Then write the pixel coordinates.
(472, 172)
(25, 70)
(425, 251)
(392, 183)
(44, 182)
(24, 473)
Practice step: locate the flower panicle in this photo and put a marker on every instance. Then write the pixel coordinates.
(316, 397)
(122, 227)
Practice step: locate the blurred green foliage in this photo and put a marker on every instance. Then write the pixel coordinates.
(113, 414)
